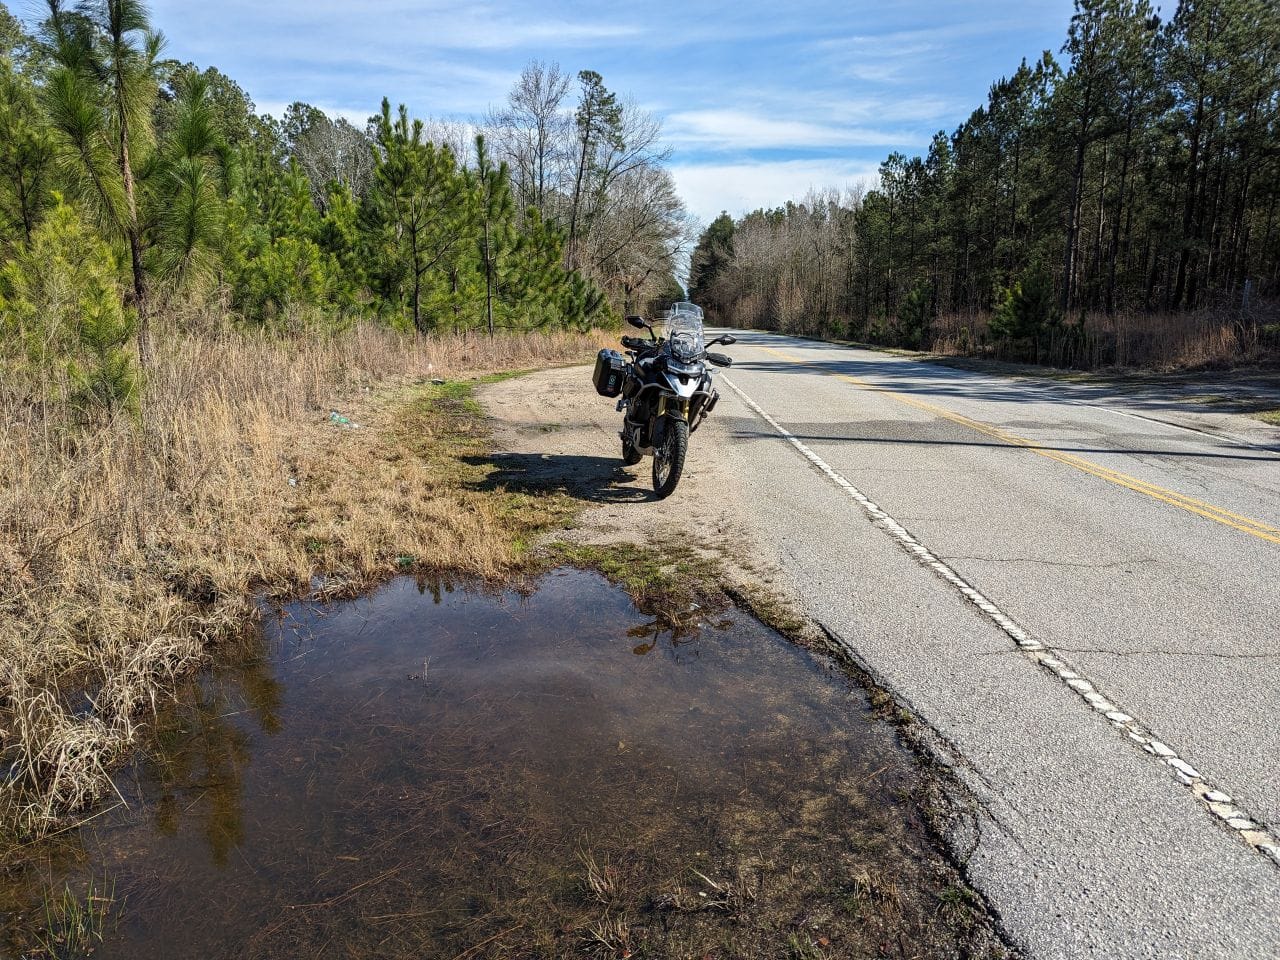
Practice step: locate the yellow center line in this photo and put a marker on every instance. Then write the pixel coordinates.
(1256, 528)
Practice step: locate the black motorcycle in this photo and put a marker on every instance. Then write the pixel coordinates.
(666, 390)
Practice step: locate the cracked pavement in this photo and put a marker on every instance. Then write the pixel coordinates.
(1085, 845)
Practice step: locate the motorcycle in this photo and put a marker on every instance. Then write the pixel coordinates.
(665, 389)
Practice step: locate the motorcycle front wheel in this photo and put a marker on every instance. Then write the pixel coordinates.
(668, 458)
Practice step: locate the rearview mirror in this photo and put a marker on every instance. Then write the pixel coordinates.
(728, 340)
(637, 322)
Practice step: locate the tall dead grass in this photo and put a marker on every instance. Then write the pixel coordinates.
(126, 549)
(1162, 342)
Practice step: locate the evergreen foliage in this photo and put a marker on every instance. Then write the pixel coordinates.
(190, 204)
(1138, 171)
(61, 310)
(1026, 310)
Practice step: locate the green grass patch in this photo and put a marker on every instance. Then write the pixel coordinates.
(673, 584)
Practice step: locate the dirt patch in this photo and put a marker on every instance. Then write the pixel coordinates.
(552, 433)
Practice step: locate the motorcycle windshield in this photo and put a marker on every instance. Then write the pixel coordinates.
(683, 331)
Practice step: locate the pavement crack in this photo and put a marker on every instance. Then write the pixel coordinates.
(1050, 563)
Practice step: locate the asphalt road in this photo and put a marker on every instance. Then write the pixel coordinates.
(1139, 564)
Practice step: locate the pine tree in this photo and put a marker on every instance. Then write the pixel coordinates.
(25, 156)
(100, 96)
(598, 120)
(417, 214)
(495, 234)
(711, 257)
(60, 304)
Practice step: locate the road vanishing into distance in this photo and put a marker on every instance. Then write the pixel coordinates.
(1080, 601)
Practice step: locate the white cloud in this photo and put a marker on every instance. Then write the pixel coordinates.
(732, 129)
(708, 188)
(358, 118)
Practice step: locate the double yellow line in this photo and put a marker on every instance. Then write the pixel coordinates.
(1255, 528)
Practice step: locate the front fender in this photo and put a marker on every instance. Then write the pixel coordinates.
(677, 408)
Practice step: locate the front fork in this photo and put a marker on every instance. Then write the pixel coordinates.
(674, 408)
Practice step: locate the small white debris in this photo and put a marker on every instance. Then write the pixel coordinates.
(1183, 767)
(1241, 823)
(1217, 796)
(1160, 749)
(1119, 717)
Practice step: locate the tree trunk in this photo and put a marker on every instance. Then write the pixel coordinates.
(135, 247)
(1188, 207)
(571, 251)
(1113, 250)
(488, 279)
(1073, 224)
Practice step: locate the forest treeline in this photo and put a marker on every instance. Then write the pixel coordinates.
(1116, 205)
(136, 191)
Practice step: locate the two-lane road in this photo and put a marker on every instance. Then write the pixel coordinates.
(1084, 604)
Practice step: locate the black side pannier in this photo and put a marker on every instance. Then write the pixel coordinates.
(611, 370)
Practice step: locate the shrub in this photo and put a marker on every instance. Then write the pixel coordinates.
(61, 312)
(1027, 309)
(914, 316)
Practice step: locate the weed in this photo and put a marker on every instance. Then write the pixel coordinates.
(609, 936)
(602, 882)
(959, 905)
(801, 947)
(869, 892)
(674, 584)
(72, 924)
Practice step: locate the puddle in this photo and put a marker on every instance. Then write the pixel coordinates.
(435, 772)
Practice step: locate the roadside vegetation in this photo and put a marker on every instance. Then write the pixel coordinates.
(1115, 205)
(231, 349)
(261, 468)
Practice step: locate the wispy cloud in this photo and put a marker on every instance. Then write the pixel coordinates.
(760, 100)
(709, 188)
(728, 129)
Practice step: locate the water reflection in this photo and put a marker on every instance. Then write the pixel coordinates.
(435, 772)
(201, 743)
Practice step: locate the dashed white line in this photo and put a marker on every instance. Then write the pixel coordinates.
(1217, 802)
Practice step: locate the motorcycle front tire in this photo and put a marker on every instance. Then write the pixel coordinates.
(668, 459)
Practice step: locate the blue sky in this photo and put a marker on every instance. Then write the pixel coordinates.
(759, 100)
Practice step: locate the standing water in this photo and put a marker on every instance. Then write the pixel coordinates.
(430, 772)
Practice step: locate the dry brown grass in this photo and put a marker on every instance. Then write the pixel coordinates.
(1178, 341)
(127, 549)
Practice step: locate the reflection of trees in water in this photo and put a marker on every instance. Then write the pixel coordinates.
(651, 632)
(201, 744)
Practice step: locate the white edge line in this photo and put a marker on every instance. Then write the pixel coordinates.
(1217, 802)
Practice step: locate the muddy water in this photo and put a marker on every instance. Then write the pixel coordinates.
(429, 772)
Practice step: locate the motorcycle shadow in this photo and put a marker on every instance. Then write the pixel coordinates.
(591, 479)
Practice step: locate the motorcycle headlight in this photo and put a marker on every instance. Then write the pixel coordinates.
(684, 369)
